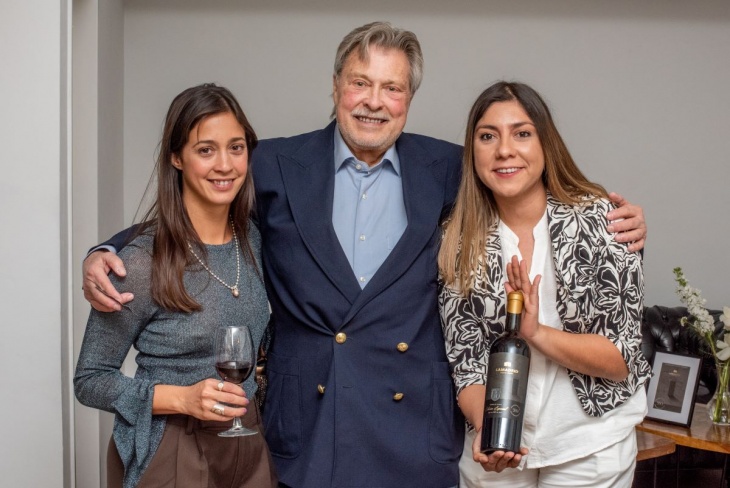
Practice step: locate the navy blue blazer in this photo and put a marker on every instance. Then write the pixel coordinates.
(360, 393)
(359, 387)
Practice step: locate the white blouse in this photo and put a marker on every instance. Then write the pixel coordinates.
(556, 428)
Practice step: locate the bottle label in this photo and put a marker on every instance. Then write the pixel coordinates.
(506, 385)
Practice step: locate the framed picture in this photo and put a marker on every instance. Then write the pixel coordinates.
(673, 387)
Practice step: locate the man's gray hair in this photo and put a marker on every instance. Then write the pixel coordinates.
(383, 35)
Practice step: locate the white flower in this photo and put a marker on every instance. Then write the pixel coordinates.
(701, 321)
(723, 349)
(725, 317)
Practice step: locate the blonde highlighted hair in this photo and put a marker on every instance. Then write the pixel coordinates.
(475, 211)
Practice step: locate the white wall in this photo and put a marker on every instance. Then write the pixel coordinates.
(98, 112)
(33, 272)
(639, 91)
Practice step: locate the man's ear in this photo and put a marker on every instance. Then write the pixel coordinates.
(334, 88)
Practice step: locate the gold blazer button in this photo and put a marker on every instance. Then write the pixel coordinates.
(398, 397)
(340, 338)
(402, 346)
(320, 389)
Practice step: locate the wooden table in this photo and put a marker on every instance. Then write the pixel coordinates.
(701, 434)
(652, 446)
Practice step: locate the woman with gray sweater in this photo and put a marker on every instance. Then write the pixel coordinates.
(193, 266)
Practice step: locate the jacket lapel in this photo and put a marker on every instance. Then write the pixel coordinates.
(308, 176)
(423, 193)
(572, 257)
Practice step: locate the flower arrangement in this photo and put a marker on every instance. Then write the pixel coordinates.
(702, 323)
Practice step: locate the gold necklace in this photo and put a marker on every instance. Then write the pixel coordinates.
(234, 288)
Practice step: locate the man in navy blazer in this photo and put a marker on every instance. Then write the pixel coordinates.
(359, 391)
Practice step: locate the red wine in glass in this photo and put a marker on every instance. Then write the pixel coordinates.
(234, 371)
(234, 360)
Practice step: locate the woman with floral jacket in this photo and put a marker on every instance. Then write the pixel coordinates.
(526, 215)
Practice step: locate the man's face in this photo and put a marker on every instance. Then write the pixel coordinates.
(371, 101)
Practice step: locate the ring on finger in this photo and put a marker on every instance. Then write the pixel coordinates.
(218, 409)
(220, 386)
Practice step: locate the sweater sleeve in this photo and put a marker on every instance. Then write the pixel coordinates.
(98, 381)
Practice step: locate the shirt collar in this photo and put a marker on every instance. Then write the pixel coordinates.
(343, 153)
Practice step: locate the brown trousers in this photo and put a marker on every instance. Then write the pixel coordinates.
(191, 455)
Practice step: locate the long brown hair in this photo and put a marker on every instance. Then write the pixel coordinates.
(168, 218)
(475, 211)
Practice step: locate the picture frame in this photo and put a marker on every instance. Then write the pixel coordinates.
(673, 387)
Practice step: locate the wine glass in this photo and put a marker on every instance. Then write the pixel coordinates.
(234, 361)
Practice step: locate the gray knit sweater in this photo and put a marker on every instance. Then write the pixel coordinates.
(173, 348)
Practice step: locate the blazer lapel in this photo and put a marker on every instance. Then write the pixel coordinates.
(308, 176)
(423, 193)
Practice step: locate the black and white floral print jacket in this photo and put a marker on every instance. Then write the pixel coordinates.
(599, 291)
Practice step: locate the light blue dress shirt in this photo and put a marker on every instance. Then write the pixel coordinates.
(368, 214)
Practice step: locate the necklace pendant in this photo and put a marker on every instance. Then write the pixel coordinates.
(234, 291)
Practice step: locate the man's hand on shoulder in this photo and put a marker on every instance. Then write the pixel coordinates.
(98, 290)
(631, 226)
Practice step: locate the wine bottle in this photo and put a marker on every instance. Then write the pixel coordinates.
(507, 375)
